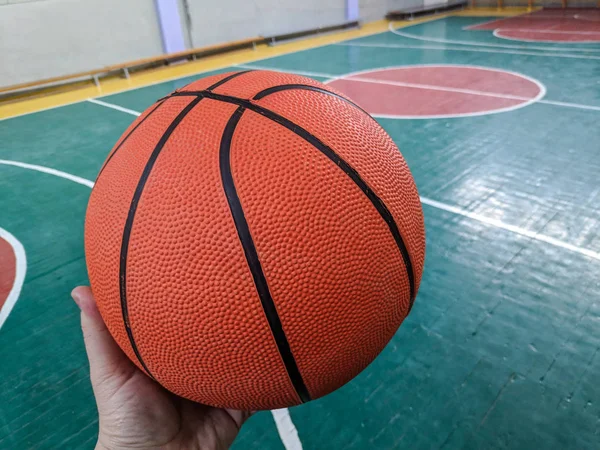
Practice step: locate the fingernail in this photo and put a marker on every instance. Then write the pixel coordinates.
(76, 298)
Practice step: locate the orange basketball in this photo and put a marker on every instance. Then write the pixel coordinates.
(254, 240)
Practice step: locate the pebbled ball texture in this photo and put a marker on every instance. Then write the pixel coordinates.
(176, 282)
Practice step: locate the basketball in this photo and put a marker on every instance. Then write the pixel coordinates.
(254, 240)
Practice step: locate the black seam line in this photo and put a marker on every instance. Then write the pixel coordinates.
(243, 231)
(287, 87)
(161, 101)
(180, 92)
(384, 212)
(129, 223)
(226, 79)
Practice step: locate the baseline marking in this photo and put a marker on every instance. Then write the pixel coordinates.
(283, 421)
(467, 49)
(480, 44)
(20, 270)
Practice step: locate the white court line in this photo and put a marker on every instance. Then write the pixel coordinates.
(332, 77)
(533, 30)
(117, 107)
(20, 270)
(480, 44)
(537, 99)
(56, 173)
(528, 100)
(298, 72)
(345, 77)
(513, 229)
(570, 105)
(431, 87)
(283, 421)
(526, 16)
(468, 49)
(498, 33)
(286, 429)
(470, 27)
(586, 19)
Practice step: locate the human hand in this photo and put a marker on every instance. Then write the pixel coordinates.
(134, 411)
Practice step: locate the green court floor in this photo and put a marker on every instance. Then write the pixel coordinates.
(501, 349)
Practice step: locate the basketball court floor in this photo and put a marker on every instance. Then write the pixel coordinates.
(499, 121)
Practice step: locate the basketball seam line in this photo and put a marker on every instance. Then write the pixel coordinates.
(138, 192)
(160, 102)
(379, 205)
(180, 91)
(253, 260)
(315, 89)
(226, 79)
(129, 224)
(288, 87)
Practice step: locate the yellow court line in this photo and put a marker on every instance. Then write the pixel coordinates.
(115, 84)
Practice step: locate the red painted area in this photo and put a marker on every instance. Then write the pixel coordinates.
(578, 25)
(436, 90)
(8, 265)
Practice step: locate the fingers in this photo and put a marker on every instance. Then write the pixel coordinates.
(239, 417)
(107, 360)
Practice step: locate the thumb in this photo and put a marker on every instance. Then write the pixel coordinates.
(109, 366)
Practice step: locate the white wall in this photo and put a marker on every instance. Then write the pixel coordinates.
(394, 5)
(45, 38)
(373, 9)
(226, 20)
(284, 16)
(377, 9)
